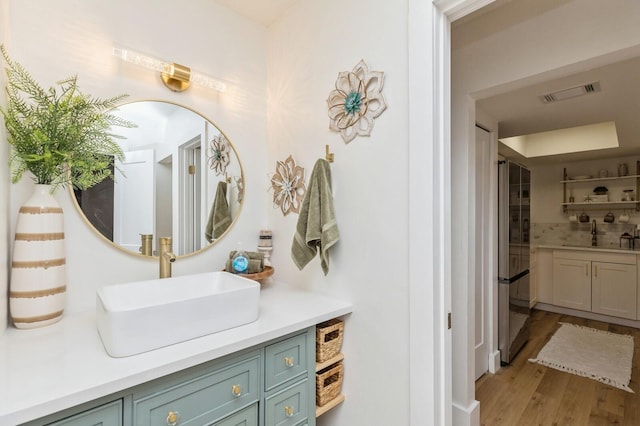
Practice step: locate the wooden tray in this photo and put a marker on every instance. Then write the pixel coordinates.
(265, 273)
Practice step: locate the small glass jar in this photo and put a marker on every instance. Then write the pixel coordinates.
(623, 169)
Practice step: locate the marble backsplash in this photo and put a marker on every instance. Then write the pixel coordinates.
(580, 233)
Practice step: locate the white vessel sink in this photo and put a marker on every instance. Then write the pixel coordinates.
(140, 316)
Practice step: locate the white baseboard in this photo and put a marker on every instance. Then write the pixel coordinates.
(466, 416)
(494, 362)
(587, 315)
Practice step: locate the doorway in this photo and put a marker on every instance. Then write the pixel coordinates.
(134, 195)
(190, 196)
(481, 70)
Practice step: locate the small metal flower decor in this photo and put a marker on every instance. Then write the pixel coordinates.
(356, 101)
(240, 186)
(220, 153)
(288, 186)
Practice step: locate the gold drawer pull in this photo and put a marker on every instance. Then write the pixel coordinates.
(288, 361)
(236, 390)
(172, 418)
(289, 411)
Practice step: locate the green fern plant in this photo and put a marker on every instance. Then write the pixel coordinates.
(60, 135)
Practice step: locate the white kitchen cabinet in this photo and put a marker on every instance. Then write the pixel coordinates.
(524, 289)
(572, 283)
(533, 277)
(613, 289)
(599, 282)
(543, 282)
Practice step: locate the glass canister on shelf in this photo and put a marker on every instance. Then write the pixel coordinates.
(627, 195)
(623, 169)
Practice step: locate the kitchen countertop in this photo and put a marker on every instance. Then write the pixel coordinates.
(45, 370)
(589, 248)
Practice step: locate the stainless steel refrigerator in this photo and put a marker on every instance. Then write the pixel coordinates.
(514, 317)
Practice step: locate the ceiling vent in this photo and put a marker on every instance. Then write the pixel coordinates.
(571, 92)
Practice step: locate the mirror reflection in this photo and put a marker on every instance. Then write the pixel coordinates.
(181, 178)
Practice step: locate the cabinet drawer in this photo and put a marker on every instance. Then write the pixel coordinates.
(288, 407)
(285, 360)
(246, 417)
(106, 415)
(201, 400)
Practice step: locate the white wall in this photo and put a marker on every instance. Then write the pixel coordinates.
(308, 47)
(206, 37)
(512, 53)
(4, 185)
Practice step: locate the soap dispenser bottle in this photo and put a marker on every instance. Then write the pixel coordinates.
(240, 261)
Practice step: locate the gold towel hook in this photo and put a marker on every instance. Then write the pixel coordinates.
(328, 155)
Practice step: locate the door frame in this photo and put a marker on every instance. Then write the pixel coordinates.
(484, 229)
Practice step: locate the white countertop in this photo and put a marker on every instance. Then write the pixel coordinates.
(589, 248)
(45, 370)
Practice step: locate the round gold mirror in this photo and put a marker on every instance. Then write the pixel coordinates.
(181, 178)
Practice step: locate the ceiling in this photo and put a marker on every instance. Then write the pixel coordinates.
(521, 112)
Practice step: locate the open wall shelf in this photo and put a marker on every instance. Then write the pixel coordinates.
(608, 205)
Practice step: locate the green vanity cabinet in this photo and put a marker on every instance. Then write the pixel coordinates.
(285, 360)
(200, 397)
(271, 384)
(289, 406)
(290, 381)
(105, 415)
(246, 417)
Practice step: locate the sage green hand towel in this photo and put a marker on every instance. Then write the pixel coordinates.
(219, 216)
(254, 267)
(317, 230)
(252, 255)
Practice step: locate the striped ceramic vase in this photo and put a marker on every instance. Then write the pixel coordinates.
(38, 279)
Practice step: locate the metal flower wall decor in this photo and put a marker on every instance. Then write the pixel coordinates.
(240, 186)
(356, 101)
(288, 186)
(220, 153)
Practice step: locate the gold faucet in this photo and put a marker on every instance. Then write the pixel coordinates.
(146, 246)
(166, 257)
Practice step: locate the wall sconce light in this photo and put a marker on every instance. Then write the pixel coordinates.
(174, 76)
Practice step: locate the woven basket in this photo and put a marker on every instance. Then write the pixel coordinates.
(329, 383)
(328, 339)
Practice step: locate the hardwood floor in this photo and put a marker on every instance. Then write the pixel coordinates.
(525, 393)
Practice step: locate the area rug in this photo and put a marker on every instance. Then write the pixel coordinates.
(587, 352)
